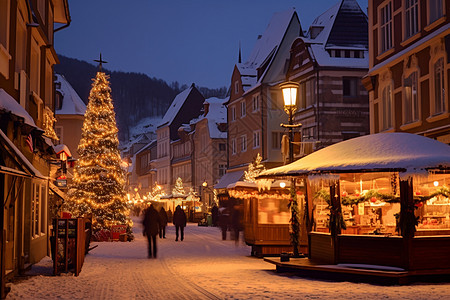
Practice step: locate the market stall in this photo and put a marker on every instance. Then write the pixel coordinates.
(266, 216)
(381, 199)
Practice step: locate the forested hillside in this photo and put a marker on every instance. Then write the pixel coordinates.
(135, 95)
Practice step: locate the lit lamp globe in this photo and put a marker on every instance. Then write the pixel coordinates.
(289, 90)
(204, 184)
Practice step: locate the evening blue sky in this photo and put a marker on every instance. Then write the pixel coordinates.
(189, 41)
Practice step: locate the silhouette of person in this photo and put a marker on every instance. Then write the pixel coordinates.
(164, 221)
(151, 222)
(179, 220)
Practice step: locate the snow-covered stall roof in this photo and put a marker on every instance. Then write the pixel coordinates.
(267, 43)
(228, 179)
(71, 102)
(9, 104)
(176, 105)
(404, 152)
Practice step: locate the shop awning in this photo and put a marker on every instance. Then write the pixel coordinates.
(20, 159)
(229, 178)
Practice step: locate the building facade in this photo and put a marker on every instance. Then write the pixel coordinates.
(186, 106)
(27, 106)
(328, 64)
(255, 106)
(409, 70)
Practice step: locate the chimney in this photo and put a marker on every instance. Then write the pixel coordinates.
(205, 108)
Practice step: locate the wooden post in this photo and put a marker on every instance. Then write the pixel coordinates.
(407, 221)
(335, 218)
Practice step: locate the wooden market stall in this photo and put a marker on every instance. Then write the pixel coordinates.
(381, 199)
(266, 217)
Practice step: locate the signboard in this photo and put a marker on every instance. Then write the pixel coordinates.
(61, 182)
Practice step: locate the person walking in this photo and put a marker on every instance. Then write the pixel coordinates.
(214, 215)
(236, 223)
(224, 220)
(152, 223)
(179, 220)
(164, 221)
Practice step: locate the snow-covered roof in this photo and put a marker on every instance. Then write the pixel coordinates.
(71, 102)
(62, 148)
(217, 114)
(403, 152)
(9, 104)
(338, 32)
(268, 43)
(325, 21)
(323, 58)
(228, 179)
(176, 105)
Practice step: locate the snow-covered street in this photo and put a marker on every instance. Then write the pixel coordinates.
(201, 267)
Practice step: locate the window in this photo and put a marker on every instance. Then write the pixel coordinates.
(38, 211)
(255, 102)
(350, 86)
(307, 93)
(411, 102)
(58, 100)
(233, 146)
(386, 108)
(256, 138)
(4, 23)
(411, 17)
(276, 139)
(233, 113)
(222, 147)
(439, 87)
(243, 109)
(35, 72)
(386, 27)
(436, 10)
(243, 143)
(236, 87)
(222, 170)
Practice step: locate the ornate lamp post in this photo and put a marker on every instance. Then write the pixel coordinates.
(289, 90)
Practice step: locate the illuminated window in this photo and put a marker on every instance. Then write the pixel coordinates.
(411, 99)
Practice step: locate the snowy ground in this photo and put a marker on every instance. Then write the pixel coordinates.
(201, 267)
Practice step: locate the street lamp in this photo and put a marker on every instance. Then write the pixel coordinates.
(289, 90)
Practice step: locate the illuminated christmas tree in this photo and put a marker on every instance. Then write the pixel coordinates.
(99, 180)
(178, 189)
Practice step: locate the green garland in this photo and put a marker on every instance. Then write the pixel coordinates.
(294, 222)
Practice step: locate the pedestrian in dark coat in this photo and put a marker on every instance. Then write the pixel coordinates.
(179, 220)
(164, 221)
(152, 223)
(224, 220)
(214, 215)
(236, 223)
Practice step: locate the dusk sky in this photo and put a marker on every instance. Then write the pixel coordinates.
(175, 40)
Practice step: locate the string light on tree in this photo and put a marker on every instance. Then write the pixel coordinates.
(98, 186)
